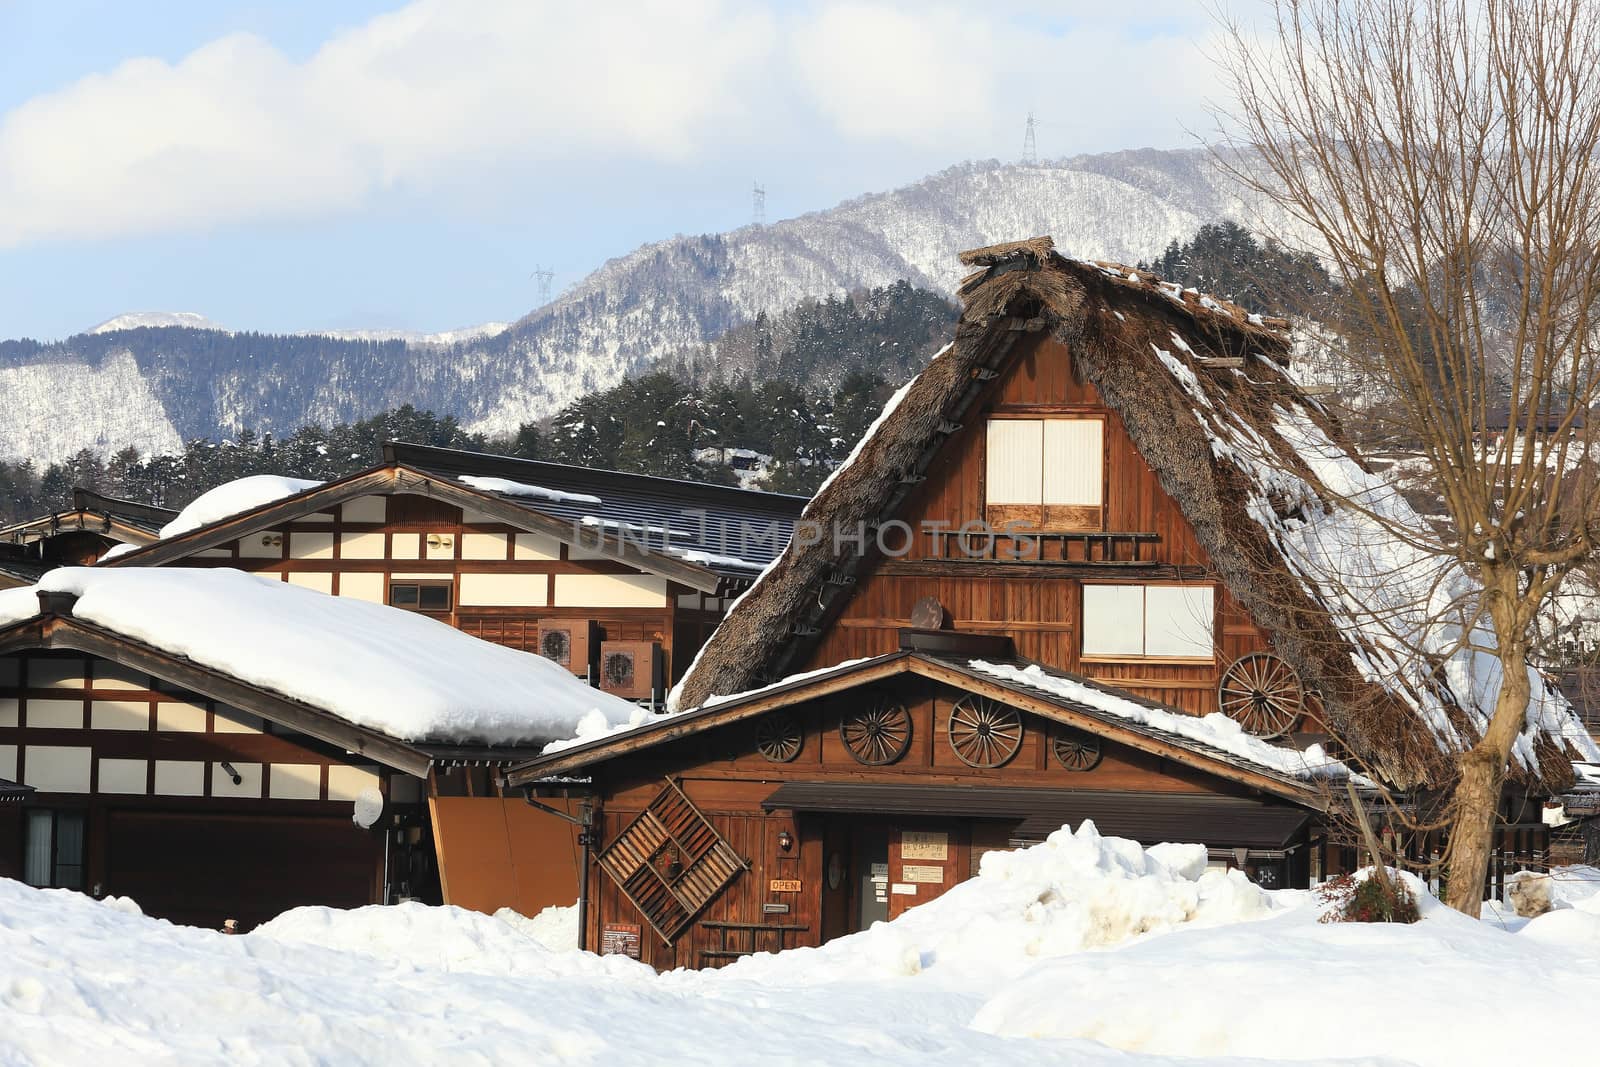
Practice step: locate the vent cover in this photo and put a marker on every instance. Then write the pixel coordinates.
(670, 862)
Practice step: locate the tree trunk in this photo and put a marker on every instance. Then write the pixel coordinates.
(1476, 802)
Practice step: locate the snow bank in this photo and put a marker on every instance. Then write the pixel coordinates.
(1435, 992)
(556, 927)
(234, 498)
(452, 940)
(394, 671)
(1075, 891)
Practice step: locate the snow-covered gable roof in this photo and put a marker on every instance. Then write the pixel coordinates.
(1205, 392)
(398, 673)
(234, 498)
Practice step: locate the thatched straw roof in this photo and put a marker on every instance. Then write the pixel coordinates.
(1253, 463)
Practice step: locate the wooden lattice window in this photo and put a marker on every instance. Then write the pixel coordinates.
(670, 862)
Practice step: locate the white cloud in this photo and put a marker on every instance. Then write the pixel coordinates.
(465, 93)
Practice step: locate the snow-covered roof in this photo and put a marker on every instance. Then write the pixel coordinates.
(1255, 465)
(395, 672)
(234, 498)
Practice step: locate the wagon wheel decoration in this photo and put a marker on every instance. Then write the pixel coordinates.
(984, 732)
(778, 738)
(1076, 750)
(1262, 693)
(877, 735)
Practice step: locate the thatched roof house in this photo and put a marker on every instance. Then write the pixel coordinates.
(1255, 465)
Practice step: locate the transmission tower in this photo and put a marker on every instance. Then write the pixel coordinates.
(1030, 148)
(546, 276)
(758, 203)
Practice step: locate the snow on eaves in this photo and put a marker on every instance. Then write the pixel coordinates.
(1216, 730)
(234, 498)
(506, 487)
(397, 672)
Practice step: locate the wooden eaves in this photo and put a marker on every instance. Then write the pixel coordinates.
(398, 478)
(65, 632)
(1152, 742)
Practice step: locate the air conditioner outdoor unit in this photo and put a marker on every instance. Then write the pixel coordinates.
(630, 669)
(568, 642)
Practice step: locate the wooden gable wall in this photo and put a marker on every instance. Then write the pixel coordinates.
(1039, 604)
(503, 581)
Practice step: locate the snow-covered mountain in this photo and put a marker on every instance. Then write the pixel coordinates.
(620, 319)
(137, 320)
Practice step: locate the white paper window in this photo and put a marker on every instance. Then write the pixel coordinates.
(1073, 461)
(1113, 620)
(1157, 621)
(1178, 620)
(1015, 457)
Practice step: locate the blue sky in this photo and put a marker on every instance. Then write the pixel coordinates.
(296, 165)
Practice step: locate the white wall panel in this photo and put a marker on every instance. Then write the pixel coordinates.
(55, 714)
(296, 781)
(361, 586)
(114, 676)
(405, 546)
(361, 545)
(8, 762)
(535, 546)
(504, 590)
(321, 581)
(57, 673)
(230, 720)
(9, 711)
(610, 591)
(346, 783)
(366, 509)
(126, 776)
(181, 717)
(249, 780)
(56, 768)
(311, 544)
(483, 545)
(268, 544)
(119, 715)
(180, 778)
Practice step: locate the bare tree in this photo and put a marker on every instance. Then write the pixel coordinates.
(1446, 156)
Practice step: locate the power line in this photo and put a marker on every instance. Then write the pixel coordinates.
(758, 204)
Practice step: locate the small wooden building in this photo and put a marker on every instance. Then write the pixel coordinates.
(620, 577)
(1063, 578)
(212, 779)
(81, 534)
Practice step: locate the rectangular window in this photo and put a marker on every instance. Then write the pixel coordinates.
(53, 849)
(1046, 472)
(420, 596)
(1149, 622)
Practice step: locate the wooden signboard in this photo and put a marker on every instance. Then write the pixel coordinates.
(922, 845)
(620, 939)
(784, 885)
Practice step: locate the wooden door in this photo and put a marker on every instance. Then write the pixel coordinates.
(925, 860)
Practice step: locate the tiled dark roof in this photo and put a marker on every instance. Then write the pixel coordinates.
(726, 524)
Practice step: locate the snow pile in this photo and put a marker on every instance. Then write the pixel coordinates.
(1216, 730)
(419, 938)
(1073, 892)
(397, 672)
(506, 487)
(556, 927)
(234, 498)
(1434, 992)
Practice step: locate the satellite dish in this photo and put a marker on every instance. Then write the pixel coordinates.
(368, 808)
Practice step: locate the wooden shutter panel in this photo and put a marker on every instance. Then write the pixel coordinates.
(1073, 474)
(670, 829)
(1013, 474)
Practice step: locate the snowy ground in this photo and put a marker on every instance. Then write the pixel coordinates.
(1078, 951)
